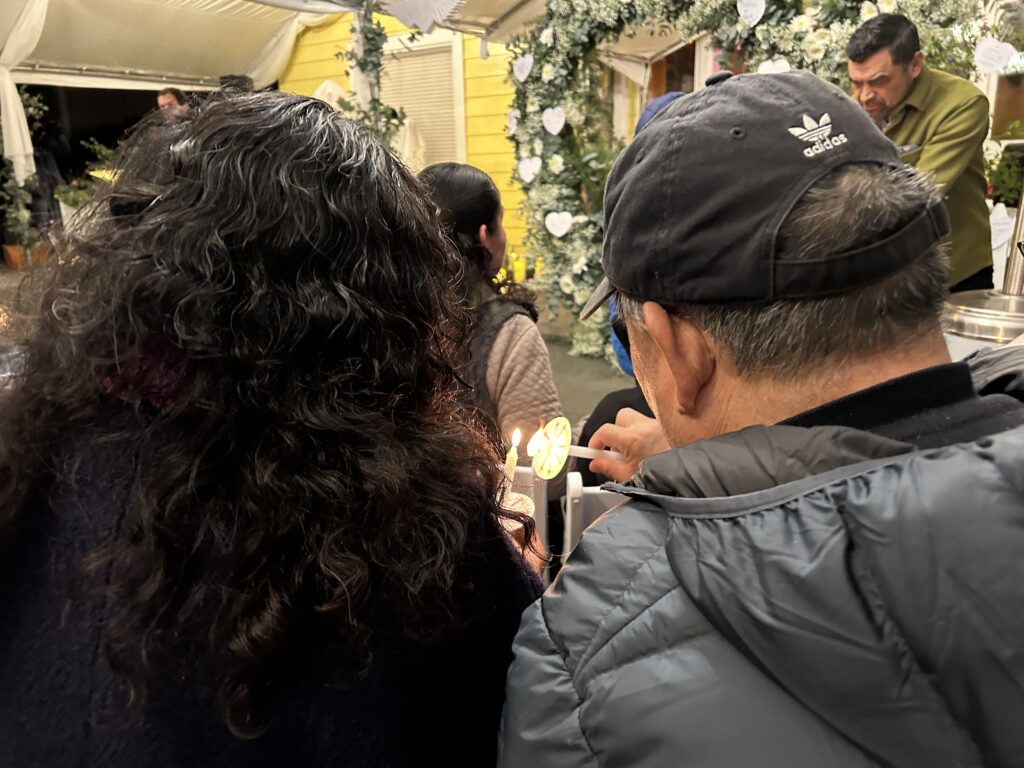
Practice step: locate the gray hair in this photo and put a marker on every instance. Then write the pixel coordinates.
(850, 207)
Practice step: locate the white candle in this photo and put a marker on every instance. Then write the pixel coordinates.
(593, 453)
(512, 457)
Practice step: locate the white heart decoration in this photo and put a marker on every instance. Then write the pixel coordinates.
(751, 11)
(522, 67)
(558, 222)
(422, 13)
(529, 167)
(554, 120)
(484, 52)
(773, 67)
(991, 55)
(513, 120)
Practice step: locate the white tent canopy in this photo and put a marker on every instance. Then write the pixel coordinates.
(495, 20)
(135, 44)
(151, 44)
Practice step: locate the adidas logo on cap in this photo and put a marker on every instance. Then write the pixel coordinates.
(819, 134)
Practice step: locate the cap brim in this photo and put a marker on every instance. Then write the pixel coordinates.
(601, 294)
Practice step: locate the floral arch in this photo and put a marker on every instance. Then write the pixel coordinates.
(561, 127)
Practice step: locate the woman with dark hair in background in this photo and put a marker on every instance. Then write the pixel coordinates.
(509, 366)
(236, 431)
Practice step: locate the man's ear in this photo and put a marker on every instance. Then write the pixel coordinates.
(916, 65)
(689, 357)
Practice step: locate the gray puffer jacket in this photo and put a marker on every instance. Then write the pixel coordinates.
(787, 598)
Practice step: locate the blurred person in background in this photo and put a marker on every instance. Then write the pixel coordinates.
(509, 366)
(940, 122)
(172, 98)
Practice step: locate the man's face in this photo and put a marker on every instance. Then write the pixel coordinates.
(880, 85)
(167, 101)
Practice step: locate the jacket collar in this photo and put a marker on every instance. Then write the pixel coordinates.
(764, 457)
(921, 91)
(758, 458)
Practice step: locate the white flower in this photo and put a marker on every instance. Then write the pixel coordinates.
(581, 295)
(556, 163)
(868, 10)
(538, 147)
(533, 104)
(547, 37)
(886, 6)
(815, 45)
(547, 73)
(566, 284)
(801, 24)
(580, 265)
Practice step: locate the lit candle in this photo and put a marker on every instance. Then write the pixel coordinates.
(512, 457)
(519, 269)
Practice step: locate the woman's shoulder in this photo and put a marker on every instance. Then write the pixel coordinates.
(496, 565)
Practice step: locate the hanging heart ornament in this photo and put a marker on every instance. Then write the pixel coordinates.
(554, 120)
(522, 67)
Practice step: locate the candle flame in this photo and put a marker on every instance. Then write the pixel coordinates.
(536, 443)
(517, 435)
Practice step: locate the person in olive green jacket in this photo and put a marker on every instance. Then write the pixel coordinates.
(939, 121)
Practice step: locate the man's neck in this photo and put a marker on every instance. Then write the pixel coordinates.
(766, 400)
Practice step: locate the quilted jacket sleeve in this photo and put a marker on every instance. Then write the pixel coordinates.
(541, 725)
(519, 377)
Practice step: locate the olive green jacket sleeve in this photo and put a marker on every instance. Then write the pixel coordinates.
(946, 156)
(946, 118)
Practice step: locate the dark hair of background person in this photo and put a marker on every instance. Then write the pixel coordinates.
(260, 310)
(177, 93)
(466, 199)
(886, 31)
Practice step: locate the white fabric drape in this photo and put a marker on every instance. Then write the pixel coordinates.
(20, 43)
(152, 44)
(274, 57)
(422, 13)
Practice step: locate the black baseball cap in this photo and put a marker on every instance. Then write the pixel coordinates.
(694, 204)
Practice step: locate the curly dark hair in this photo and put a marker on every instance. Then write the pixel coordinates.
(260, 308)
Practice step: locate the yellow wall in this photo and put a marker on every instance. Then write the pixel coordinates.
(488, 100)
(314, 60)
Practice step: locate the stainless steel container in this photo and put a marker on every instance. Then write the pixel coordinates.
(994, 315)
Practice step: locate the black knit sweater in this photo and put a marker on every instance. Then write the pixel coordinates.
(60, 705)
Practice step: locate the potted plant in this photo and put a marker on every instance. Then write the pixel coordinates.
(79, 190)
(1005, 171)
(20, 239)
(18, 234)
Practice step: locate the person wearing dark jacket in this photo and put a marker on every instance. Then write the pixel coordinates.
(825, 568)
(244, 519)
